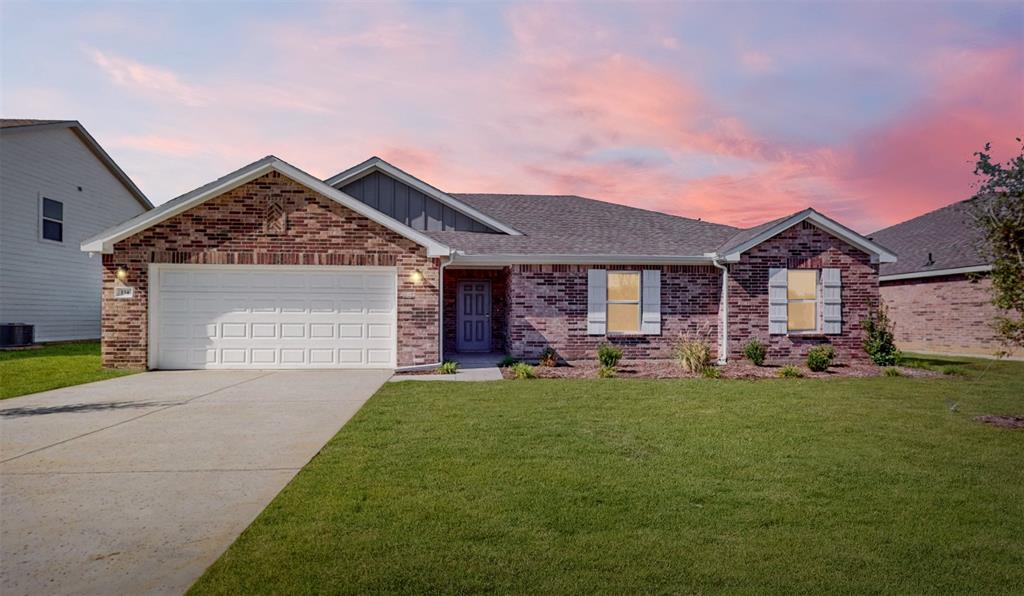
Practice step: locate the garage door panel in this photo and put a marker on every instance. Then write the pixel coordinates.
(265, 318)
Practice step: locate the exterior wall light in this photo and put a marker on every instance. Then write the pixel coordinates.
(416, 276)
(122, 274)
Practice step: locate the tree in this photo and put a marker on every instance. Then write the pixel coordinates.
(998, 211)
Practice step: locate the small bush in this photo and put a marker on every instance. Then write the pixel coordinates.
(609, 355)
(955, 371)
(694, 355)
(508, 361)
(819, 358)
(521, 370)
(711, 372)
(879, 339)
(790, 372)
(548, 357)
(448, 367)
(892, 371)
(755, 351)
(606, 372)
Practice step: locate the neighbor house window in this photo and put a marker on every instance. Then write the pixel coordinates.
(802, 299)
(52, 220)
(623, 302)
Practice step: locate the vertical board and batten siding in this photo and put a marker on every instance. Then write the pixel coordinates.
(410, 206)
(54, 286)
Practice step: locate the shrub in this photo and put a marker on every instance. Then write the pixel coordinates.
(711, 372)
(819, 358)
(694, 355)
(548, 357)
(448, 367)
(609, 355)
(508, 361)
(521, 370)
(606, 372)
(892, 371)
(755, 351)
(791, 372)
(879, 339)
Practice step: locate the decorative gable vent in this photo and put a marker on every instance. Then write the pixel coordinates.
(275, 219)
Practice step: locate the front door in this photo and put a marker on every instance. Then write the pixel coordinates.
(474, 318)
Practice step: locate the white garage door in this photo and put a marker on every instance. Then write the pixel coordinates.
(214, 316)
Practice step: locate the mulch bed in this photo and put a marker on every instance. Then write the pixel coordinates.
(1002, 421)
(669, 369)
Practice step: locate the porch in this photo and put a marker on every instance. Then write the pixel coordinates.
(475, 315)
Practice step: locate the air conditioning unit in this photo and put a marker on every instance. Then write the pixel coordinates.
(15, 335)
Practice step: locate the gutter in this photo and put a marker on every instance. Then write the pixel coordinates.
(440, 308)
(501, 260)
(723, 345)
(935, 273)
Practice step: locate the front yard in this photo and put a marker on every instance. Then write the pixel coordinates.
(51, 367)
(624, 486)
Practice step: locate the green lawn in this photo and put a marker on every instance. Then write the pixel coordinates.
(876, 485)
(50, 367)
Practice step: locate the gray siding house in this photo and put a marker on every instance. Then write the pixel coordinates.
(57, 188)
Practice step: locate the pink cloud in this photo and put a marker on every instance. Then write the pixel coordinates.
(150, 80)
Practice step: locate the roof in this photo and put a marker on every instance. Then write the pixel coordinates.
(20, 125)
(104, 241)
(946, 235)
(376, 164)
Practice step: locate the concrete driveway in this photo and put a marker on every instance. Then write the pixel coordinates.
(135, 485)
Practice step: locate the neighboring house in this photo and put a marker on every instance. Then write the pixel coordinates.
(938, 294)
(270, 267)
(57, 188)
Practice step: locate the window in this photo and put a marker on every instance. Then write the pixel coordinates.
(623, 302)
(802, 299)
(52, 225)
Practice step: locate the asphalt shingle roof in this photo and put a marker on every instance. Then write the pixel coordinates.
(947, 234)
(569, 224)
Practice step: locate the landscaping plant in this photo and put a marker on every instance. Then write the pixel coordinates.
(819, 358)
(892, 371)
(606, 372)
(711, 372)
(879, 339)
(521, 370)
(609, 355)
(448, 367)
(755, 351)
(548, 357)
(508, 361)
(790, 372)
(694, 355)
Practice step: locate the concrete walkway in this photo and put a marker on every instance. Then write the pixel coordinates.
(472, 367)
(135, 485)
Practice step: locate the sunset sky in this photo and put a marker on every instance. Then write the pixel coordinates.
(732, 112)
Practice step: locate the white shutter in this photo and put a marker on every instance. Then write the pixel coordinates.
(778, 317)
(597, 301)
(832, 299)
(650, 322)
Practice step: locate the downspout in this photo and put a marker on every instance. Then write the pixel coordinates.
(723, 345)
(440, 307)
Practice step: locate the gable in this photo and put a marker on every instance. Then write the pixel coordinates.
(410, 206)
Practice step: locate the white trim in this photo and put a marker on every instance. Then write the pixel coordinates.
(936, 273)
(376, 164)
(104, 242)
(153, 298)
(877, 252)
(498, 260)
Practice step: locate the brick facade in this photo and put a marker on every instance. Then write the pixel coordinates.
(269, 221)
(499, 301)
(950, 314)
(547, 306)
(802, 246)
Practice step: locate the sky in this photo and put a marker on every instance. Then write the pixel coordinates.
(733, 112)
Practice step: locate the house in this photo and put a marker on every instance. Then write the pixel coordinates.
(938, 294)
(270, 267)
(57, 188)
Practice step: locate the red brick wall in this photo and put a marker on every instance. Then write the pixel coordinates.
(499, 301)
(547, 305)
(229, 229)
(802, 246)
(949, 314)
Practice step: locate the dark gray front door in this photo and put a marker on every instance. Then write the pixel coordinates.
(474, 318)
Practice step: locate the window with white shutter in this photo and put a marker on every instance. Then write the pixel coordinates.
(805, 301)
(832, 301)
(623, 302)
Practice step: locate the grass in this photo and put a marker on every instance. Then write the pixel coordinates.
(868, 485)
(51, 367)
